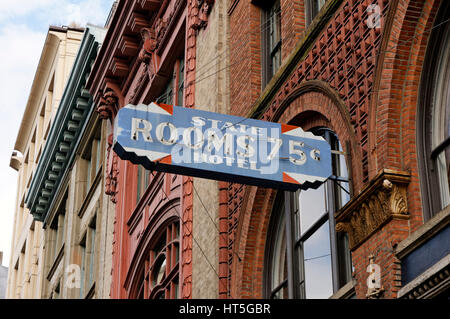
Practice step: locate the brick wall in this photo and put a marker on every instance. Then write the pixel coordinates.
(363, 83)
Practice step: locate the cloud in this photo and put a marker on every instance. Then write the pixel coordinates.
(13, 9)
(42, 13)
(82, 12)
(21, 49)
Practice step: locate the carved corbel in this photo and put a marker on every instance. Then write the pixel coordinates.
(201, 10)
(149, 46)
(110, 101)
(108, 105)
(383, 199)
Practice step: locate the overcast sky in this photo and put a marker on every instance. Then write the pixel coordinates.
(23, 27)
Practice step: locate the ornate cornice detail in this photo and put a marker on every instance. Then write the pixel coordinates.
(202, 8)
(145, 56)
(150, 44)
(161, 25)
(110, 101)
(383, 199)
(430, 284)
(164, 24)
(108, 105)
(65, 133)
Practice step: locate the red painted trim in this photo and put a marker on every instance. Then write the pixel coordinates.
(165, 160)
(166, 107)
(286, 128)
(288, 179)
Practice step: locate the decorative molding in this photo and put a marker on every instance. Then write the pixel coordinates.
(430, 283)
(150, 5)
(148, 36)
(164, 24)
(108, 105)
(201, 10)
(382, 200)
(160, 30)
(65, 134)
(112, 171)
(145, 57)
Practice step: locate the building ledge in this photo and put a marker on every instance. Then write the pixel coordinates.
(424, 233)
(346, 291)
(65, 132)
(15, 161)
(430, 283)
(383, 199)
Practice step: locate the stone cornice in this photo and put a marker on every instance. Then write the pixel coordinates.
(383, 199)
(49, 53)
(118, 61)
(430, 283)
(65, 131)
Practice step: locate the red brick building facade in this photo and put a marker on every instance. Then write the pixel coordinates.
(148, 52)
(353, 71)
(355, 67)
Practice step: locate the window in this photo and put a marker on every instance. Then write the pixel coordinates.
(305, 257)
(312, 9)
(143, 180)
(271, 35)
(93, 158)
(57, 229)
(434, 119)
(87, 246)
(174, 89)
(162, 267)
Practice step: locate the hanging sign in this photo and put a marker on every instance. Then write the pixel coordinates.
(216, 146)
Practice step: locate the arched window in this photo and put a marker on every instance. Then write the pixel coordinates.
(434, 118)
(305, 257)
(161, 272)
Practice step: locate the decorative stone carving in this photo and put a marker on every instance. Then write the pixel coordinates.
(149, 46)
(160, 30)
(202, 8)
(383, 199)
(108, 104)
(146, 54)
(112, 171)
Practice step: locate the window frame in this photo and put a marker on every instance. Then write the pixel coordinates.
(341, 263)
(173, 90)
(88, 252)
(169, 286)
(312, 10)
(427, 151)
(268, 49)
